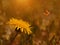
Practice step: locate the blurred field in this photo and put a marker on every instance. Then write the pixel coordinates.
(42, 15)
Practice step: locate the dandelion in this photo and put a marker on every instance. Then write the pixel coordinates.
(25, 27)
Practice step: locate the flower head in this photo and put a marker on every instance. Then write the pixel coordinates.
(25, 27)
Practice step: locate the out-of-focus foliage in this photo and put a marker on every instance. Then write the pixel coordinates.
(44, 15)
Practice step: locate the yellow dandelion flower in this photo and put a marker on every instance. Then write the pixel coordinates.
(20, 24)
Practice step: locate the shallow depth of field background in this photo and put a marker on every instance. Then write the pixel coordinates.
(43, 15)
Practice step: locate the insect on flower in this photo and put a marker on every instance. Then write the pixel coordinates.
(24, 26)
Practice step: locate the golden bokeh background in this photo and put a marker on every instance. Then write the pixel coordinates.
(43, 15)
